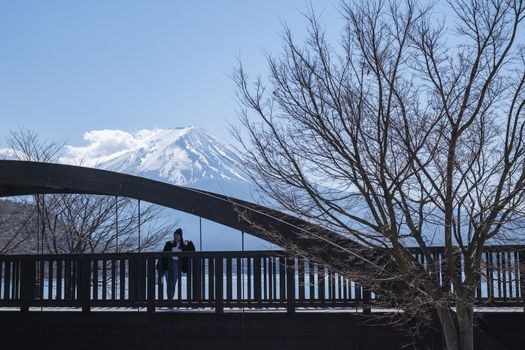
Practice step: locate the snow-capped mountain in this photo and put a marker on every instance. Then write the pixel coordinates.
(183, 156)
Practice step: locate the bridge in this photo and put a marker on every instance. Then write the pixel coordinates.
(215, 282)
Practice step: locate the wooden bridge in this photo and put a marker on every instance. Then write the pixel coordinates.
(219, 280)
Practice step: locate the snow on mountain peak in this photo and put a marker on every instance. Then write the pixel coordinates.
(182, 156)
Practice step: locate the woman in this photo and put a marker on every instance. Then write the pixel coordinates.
(171, 266)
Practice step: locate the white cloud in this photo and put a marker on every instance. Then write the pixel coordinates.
(104, 145)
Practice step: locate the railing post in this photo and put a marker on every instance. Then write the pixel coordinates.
(522, 276)
(219, 293)
(366, 301)
(151, 284)
(196, 276)
(290, 285)
(85, 278)
(27, 280)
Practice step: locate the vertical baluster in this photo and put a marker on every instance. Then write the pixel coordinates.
(257, 279)
(189, 281)
(196, 290)
(151, 277)
(249, 278)
(95, 280)
(282, 285)
(522, 276)
(311, 280)
(229, 272)
(41, 279)
(211, 277)
(219, 307)
(104, 280)
(67, 279)
(290, 285)
(490, 282)
(321, 273)
(1, 279)
(498, 273)
(516, 274)
(504, 269)
(59, 280)
(160, 284)
(239, 280)
(274, 274)
(264, 276)
(51, 267)
(113, 279)
(270, 278)
(122, 279)
(300, 271)
(7, 280)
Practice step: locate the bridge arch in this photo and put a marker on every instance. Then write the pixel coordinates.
(25, 178)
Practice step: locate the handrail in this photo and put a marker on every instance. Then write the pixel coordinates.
(222, 279)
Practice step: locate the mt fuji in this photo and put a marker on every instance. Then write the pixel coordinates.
(182, 156)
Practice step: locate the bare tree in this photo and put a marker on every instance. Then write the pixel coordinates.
(80, 223)
(16, 233)
(400, 138)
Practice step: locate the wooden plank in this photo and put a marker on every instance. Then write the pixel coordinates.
(104, 280)
(132, 279)
(249, 279)
(67, 279)
(300, 272)
(311, 279)
(522, 276)
(321, 285)
(94, 282)
(282, 280)
(27, 278)
(264, 261)
(490, 278)
(160, 288)
(122, 279)
(84, 277)
(290, 285)
(219, 306)
(516, 275)
(189, 280)
(239, 279)
(41, 279)
(270, 278)
(113, 279)
(498, 274)
(151, 277)
(1, 278)
(274, 273)
(50, 270)
(229, 272)
(211, 278)
(59, 280)
(74, 280)
(196, 277)
(504, 269)
(257, 279)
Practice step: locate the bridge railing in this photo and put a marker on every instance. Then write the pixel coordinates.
(253, 279)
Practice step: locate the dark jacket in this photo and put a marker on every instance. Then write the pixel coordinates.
(187, 246)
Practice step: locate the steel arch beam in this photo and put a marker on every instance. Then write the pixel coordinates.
(24, 178)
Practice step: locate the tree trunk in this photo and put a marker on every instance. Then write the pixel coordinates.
(448, 327)
(466, 325)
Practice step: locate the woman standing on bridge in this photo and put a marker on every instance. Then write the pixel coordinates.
(170, 267)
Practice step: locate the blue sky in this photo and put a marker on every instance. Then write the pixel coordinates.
(67, 67)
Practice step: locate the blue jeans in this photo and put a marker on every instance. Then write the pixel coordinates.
(171, 276)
